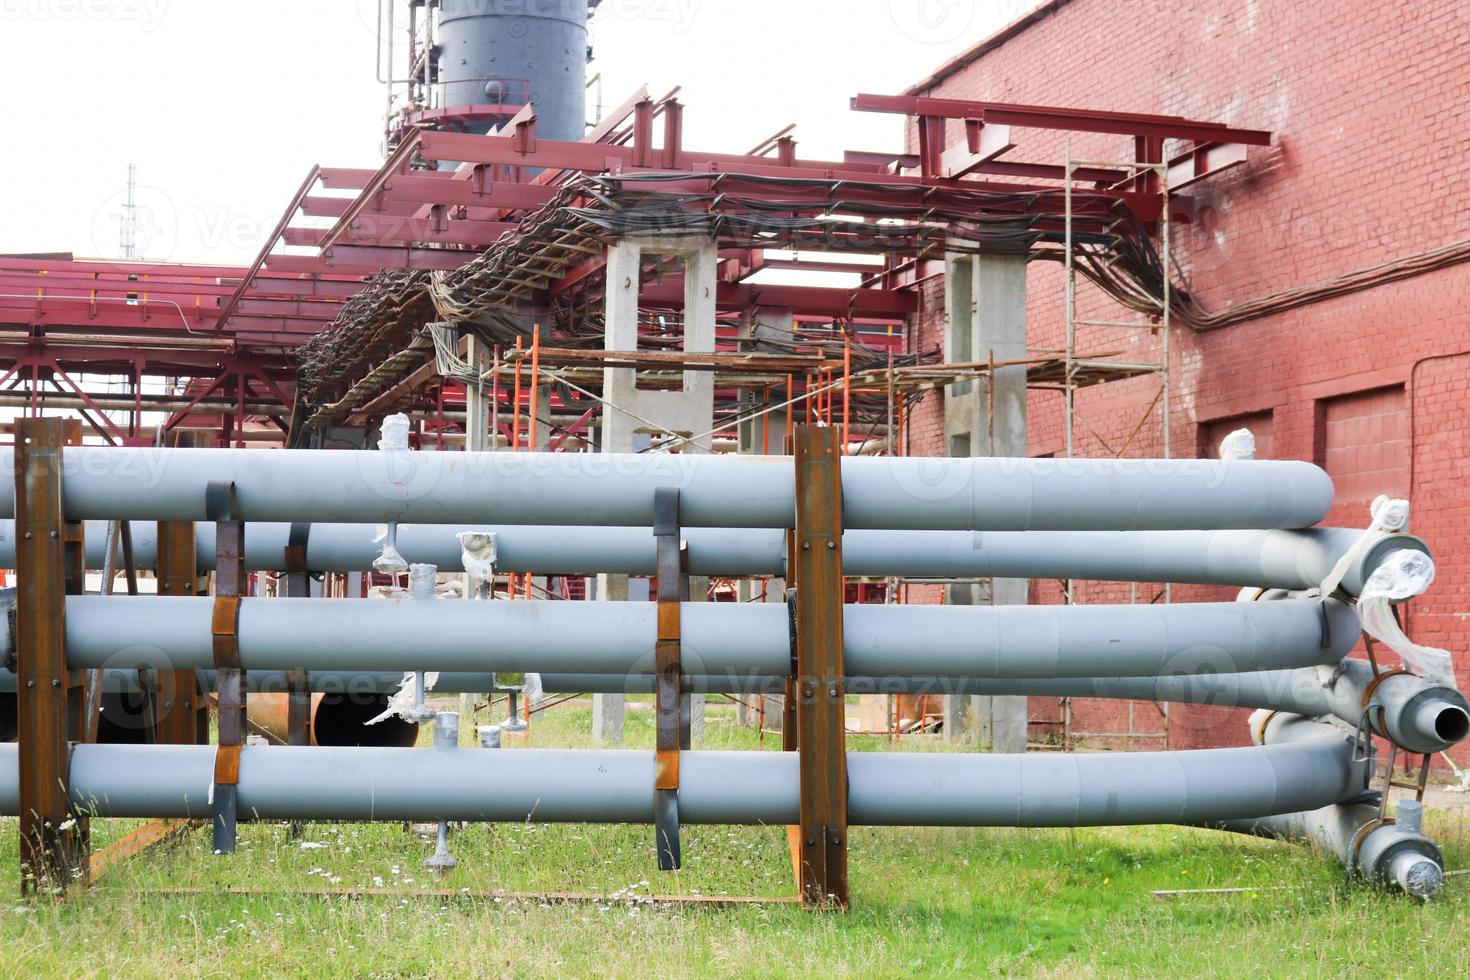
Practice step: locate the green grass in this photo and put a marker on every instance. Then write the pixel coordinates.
(926, 902)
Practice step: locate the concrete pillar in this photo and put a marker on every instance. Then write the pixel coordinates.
(985, 300)
(477, 400)
(626, 418)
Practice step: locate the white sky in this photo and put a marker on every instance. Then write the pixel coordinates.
(224, 106)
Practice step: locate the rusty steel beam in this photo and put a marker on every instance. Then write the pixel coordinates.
(49, 556)
(179, 714)
(672, 704)
(229, 585)
(819, 680)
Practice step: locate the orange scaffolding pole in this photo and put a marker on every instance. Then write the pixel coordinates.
(846, 390)
(535, 389)
(515, 419)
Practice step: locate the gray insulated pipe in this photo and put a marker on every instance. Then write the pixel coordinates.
(554, 785)
(1391, 853)
(718, 638)
(1419, 715)
(1396, 854)
(1284, 559)
(371, 486)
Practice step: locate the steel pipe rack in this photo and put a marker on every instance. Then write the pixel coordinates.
(810, 519)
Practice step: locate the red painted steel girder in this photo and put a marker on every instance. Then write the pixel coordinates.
(369, 260)
(1073, 120)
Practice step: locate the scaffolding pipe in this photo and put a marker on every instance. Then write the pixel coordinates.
(1283, 559)
(174, 632)
(551, 785)
(370, 486)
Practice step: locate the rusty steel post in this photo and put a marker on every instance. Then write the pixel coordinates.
(49, 560)
(179, 714)
(820, 691)
(671, 703)
(229, 584)
(298, 586)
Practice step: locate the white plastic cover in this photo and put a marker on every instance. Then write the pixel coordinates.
(394, 432)
(1387, 514)
(1240, 444)
(1402, 575)
(404, 702)
(477, 552)
(389, 561)
(421, 580)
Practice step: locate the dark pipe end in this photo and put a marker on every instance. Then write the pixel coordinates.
(342, 720)
(9, 718)
(1452, 724)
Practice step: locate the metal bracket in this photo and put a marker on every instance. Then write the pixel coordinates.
(221, 505)
(671, 701)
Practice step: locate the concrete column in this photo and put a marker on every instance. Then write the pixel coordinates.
(985, 300)
(630, 410)
(477, 400)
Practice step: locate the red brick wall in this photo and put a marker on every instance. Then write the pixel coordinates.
(1368, 100)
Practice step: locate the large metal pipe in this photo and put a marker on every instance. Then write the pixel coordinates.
(718, 638)
(1418, 715)
(909, 493)
(1386, 854)
(1282, 559)
(903, 789)
(1396, 853)
(335, 719)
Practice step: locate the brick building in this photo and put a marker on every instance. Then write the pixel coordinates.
(1370, 106)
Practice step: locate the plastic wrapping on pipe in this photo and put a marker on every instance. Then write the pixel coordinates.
(1403, 575)
(477, 557)
(554, 785)
(370, 486)
(1297, 559)
(749, 639)
(1240, 444)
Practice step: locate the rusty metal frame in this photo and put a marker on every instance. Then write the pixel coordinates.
(819, 677)
(220, 506)
(50, 698)
(179, 716)
(672, 703)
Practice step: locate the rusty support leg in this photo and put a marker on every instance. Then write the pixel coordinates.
(671, 703)
(179, 713)
(820, 691)
(53, 844)
(229, 579)
(298, 586)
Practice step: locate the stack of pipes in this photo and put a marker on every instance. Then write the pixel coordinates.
(1242, 522)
